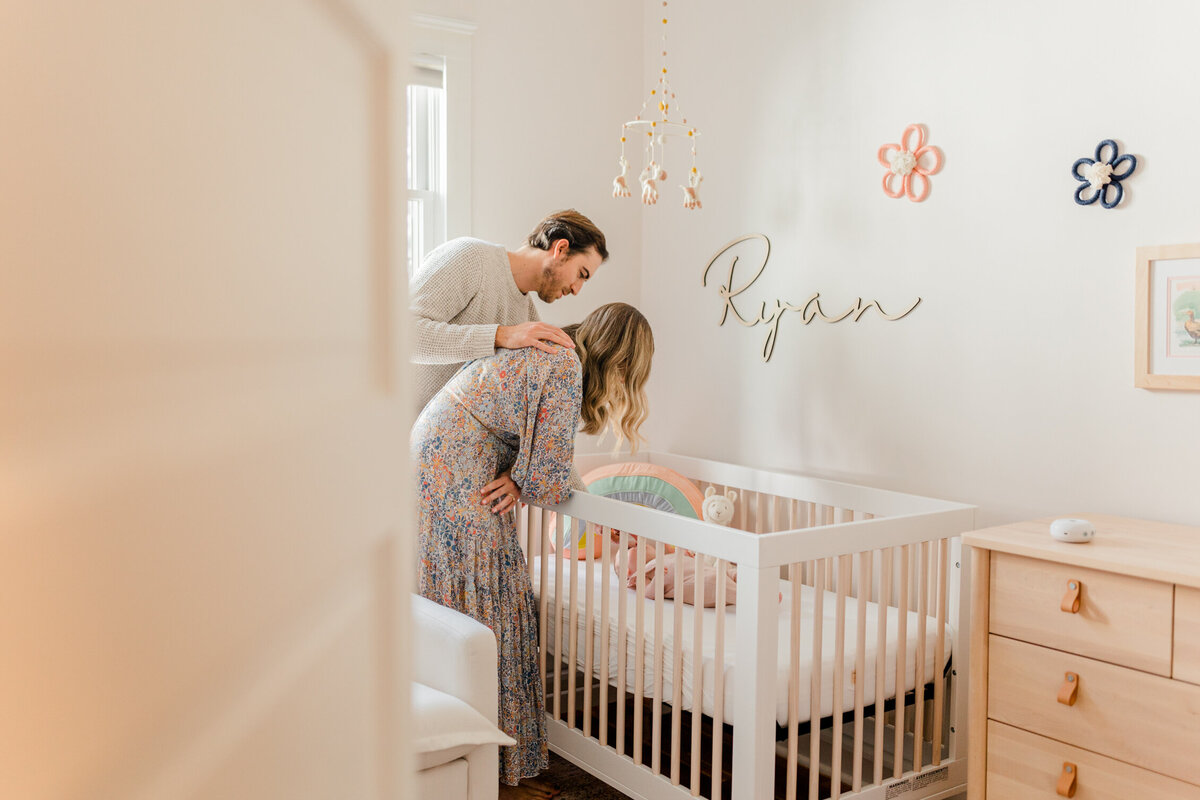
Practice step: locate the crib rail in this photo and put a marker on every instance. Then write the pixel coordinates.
(635, 681)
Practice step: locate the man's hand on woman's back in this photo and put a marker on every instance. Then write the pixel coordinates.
(531, 334)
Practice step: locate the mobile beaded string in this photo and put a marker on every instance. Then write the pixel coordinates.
(656, 132)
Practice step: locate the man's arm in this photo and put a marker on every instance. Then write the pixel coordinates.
(439, 294)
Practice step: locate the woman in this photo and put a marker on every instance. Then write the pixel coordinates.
(518, 411)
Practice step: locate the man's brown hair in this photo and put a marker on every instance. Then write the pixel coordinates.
(579, 231)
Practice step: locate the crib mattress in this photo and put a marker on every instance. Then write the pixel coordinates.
(609, 582)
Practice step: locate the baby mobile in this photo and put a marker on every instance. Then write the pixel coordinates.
(656, 131)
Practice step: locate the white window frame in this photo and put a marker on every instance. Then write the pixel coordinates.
(449, 41)
(426, 162)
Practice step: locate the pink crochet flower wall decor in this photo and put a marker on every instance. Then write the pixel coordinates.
(912, 163)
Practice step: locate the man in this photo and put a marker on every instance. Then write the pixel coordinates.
(470, 297)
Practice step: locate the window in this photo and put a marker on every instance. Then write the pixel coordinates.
(439, 134)
(426, 164)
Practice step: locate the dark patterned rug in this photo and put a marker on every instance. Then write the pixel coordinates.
(562, 781)
(576, 783)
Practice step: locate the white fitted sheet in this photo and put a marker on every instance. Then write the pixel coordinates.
(609, 582)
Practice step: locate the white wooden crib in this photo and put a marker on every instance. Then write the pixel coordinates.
(833, 582)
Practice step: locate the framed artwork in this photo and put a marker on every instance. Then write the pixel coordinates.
(1167, 318)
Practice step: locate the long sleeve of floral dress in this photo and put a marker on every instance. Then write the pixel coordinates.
(546, 455)
(519, 411)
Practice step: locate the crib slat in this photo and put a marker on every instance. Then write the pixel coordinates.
(677, 683)
(560, 563)
(697, 671)
(901, 657)
(519, 519)
(543, 520)
(839, 667)
(793, 748)
(885, 597)
(814, 716)
(589, 634)
(718, 736)
(639, 662)
(939, 653)
(622, 634)
(525, 522)
(865, 579)
(605, 630)
(660, 561)
(533, 554)
(933, 589)
(919, 680)
(573, 621)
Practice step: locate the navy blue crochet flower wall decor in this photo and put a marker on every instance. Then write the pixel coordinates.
(1102, 175)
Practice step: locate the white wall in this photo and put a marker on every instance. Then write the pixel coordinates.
(1010, 386)
(552, 83)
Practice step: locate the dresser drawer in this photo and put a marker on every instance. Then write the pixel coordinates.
(1187, 634)
(1121, 713)
(1120, 619)
(1023, 766)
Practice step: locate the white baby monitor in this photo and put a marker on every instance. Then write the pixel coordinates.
(1072, 530)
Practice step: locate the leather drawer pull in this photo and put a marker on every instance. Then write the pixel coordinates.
(1069, 690)
(1070, 601)
(1066, 781)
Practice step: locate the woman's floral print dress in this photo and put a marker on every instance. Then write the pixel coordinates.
(517, 411)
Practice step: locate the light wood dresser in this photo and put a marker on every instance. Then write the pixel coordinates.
(1085, 662)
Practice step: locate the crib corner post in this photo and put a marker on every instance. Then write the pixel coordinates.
(754, 693)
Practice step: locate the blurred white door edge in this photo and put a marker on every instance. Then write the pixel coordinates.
(205, 544)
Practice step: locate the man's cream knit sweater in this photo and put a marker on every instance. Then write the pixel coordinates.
(460, 294)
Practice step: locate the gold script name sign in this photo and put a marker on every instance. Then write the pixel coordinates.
(809, 311)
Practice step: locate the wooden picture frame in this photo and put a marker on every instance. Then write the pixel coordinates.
(1167, 318)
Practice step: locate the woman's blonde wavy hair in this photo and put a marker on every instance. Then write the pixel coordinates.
(614, 344)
